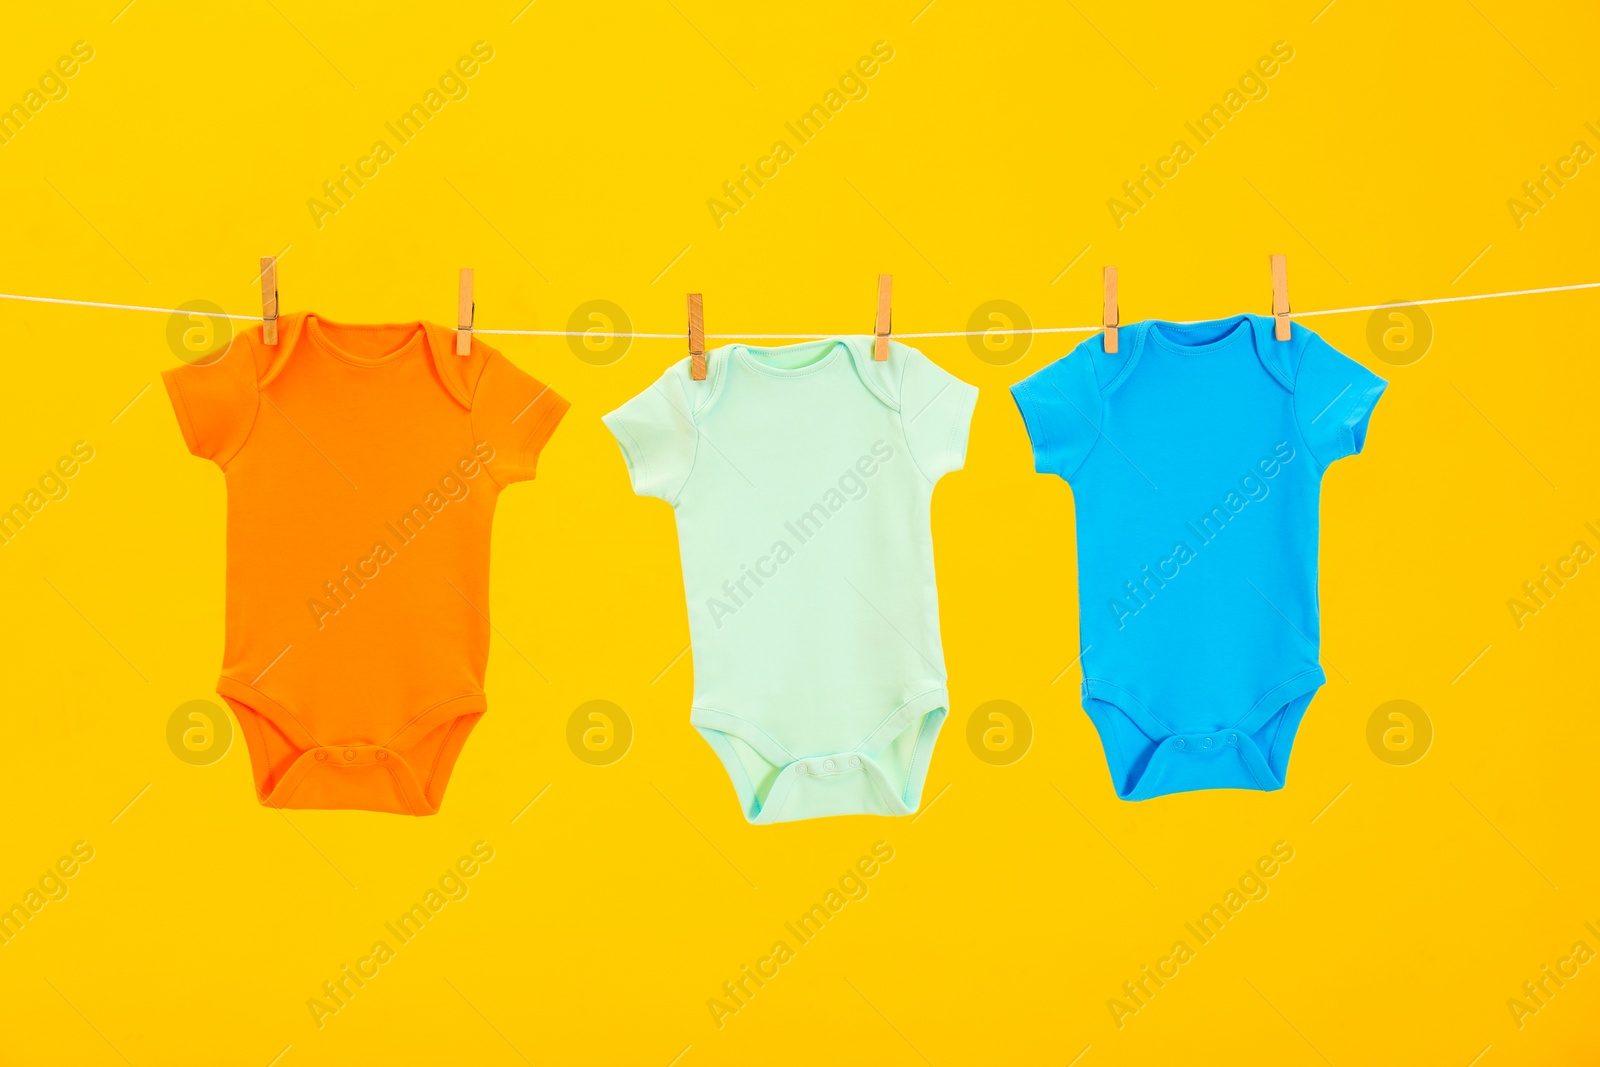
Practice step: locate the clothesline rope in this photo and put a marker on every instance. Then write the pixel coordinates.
(809, 336)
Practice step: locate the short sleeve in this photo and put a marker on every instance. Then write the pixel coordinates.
(658, 436)
(216, 401)
(514, 414)
(1061, 407)
(1333, 399)
(936, 411)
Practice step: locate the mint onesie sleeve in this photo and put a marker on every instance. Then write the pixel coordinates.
(1333, 399)
(1061, 407)
(658, 437)
(936, 409)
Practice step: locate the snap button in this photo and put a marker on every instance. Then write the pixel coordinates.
(349, 753)
(381, 755)
(855, 761)
(801, 768)
(1233, 739)
(829, 766)
(1206, 743)
(321, 756)
(1182, 743)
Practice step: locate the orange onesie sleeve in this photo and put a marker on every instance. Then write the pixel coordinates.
(216, 401)
(514, 414)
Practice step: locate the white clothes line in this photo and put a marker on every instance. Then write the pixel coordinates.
(679, 335)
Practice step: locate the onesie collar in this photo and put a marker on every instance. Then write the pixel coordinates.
(758, 358)
(1224, 333)
(1255, 330)
(316, 327)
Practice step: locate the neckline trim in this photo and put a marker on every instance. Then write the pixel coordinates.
(832, 347)
(1237, 327)
(417, 338)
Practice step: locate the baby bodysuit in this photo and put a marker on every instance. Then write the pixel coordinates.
(802, 479)
(362, 464)
(1195, 456)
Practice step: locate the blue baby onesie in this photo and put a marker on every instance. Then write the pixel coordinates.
(1195, 456)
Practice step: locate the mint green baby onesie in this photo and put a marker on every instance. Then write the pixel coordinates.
(802, 478)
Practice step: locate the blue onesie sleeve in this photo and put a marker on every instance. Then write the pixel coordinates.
(1062, 408)
(1333, 399)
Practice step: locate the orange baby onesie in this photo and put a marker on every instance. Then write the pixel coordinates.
(362, 465)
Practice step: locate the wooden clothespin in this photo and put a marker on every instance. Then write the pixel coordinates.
(269, 299)
(1280, 296)
(880, 333)
(1112, 315)
(466, 312)
(697, 338)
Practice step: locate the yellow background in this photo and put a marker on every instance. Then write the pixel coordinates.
(977, 167)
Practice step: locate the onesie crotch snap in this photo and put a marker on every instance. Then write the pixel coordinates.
(843, 783)
(324, 774)
(351, 755)
(878, 772)
(828, 765)
(1204, 744)
(1236, 748)
(1219, 759)
(346, 767)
